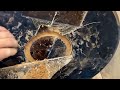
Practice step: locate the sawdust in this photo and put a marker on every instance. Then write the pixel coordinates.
(39, 72)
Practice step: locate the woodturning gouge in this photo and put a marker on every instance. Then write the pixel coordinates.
(35, 70)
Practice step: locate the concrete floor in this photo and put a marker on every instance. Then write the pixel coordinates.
(112, 70)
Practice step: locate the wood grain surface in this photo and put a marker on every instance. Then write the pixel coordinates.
(111, 71)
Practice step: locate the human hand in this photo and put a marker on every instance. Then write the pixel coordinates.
(8, 44)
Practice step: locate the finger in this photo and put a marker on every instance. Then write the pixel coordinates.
(3, 29)
(6, 35)
(7, 52)
(8, 42)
